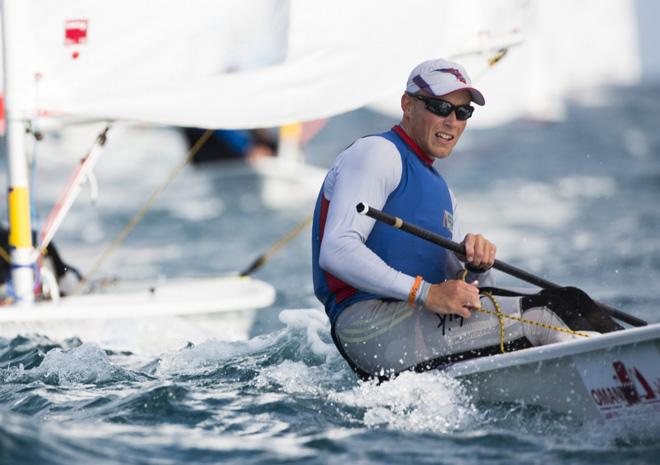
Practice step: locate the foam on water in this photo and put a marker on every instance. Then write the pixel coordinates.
(298, 352)
(86, 364)
(297, 378)
(314, 323)
(429, 402)
(82, 365)
(418, 402)
(210, 354)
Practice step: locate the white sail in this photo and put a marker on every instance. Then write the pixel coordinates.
(230, 63)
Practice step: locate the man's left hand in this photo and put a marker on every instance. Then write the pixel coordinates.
(479, 251)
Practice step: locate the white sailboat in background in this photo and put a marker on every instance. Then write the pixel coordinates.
(232, 300)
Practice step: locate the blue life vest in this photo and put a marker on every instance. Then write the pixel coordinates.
(422, 198)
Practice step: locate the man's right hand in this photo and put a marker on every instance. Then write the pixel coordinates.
(453, 296)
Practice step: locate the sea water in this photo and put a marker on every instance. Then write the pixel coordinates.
(575, 201)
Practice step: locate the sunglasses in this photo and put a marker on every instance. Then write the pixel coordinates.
(443, 108)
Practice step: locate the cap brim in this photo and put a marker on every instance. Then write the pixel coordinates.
(477, 97)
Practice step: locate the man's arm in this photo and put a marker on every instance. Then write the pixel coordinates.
(370, 170)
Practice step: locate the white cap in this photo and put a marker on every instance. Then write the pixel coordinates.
(440, 77)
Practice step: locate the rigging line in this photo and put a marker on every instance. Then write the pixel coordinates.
(140, 214)
(33, 129)
(35, 219)
(273, 249)
(82, 173)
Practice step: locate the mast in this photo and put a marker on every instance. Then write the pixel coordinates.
(20, 229)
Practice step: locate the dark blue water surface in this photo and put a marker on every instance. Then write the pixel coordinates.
(576, 201)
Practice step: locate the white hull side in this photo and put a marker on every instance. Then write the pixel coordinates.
(149, 321)
(613, 377)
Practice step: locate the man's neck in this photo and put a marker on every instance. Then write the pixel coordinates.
(404, 134)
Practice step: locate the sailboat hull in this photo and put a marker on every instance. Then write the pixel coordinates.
(612, 377)
(151, 320)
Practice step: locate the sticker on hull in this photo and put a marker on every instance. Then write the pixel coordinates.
(623, 383)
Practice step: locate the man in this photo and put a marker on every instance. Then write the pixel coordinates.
(394, 300)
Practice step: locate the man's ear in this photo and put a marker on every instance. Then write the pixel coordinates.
(406, 103)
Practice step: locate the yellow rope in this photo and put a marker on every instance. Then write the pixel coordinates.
(530, 322)
(140, 214)
(462, 275)
(500, 317)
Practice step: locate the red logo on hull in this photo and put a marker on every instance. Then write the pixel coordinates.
(627, 390)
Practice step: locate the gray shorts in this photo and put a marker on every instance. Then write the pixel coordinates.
(382, 338)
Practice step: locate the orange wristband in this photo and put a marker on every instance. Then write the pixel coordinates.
(413, 291)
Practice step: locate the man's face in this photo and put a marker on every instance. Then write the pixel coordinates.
(435, 135)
